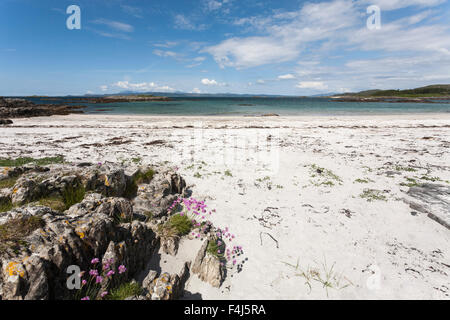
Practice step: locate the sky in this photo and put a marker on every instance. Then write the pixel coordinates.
(222, 46)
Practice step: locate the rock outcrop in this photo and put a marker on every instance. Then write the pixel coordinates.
(64, 215)
(38, 243)
(22, 108)
(208, 267)
(433, 200)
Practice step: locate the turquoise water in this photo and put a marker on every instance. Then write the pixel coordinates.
(285, 106)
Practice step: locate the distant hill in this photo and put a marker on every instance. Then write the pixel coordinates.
(437, 90)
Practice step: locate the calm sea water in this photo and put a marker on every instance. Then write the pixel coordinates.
(285, 106)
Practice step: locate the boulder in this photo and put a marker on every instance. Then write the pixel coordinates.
(208, 267)
(433, 200)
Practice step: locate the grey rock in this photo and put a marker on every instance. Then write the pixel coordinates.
(432, 199)
(208, 268)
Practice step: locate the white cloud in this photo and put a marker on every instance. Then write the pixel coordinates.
(251, 52)
(116, 25)
(286, 77)
(162, 53)
(167, 44)
(208, 82)
(315, 85)
(134, 11)
(104, 88)
(143, 86)
(196, 90)
(183, 22)
(286, 38)
(398, 4)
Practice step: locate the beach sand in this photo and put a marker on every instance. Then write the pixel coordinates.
(316, 202)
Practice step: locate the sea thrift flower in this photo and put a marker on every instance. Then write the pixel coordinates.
(83, 282)
(122, 269)
(95, 260)
(99, 279)
(86, 298)
(104, 294)
(93, 273)
(110, 273)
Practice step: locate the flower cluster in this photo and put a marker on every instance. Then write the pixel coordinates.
(94, 281)
(198, 212)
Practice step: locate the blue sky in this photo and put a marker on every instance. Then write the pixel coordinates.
(213, 46)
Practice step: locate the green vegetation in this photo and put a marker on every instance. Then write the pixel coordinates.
(71, 195)
(5, 204)
(428, 91)
(215, 249)
(197, 175)
(54, 202)
(125, 290)
(326, 276)
(13, 232)
(228, 173)
(179, 224)
(367, 180)
(26, 160)
(323, 176)
(8, 182)
(373, 194)
(407, 169)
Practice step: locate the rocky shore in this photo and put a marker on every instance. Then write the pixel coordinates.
(22, 108)
(110, 221)
(392, 99)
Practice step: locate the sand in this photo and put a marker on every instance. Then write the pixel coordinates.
(293, 192)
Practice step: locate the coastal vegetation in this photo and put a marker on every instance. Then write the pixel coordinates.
(21, 161)
(428, 91)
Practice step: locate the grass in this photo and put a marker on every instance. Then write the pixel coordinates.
(26, 160)
(13, 232)
(197, 175)
(71, 195)
(180, 224)
(8, 182)
(326, 276)
(373, 195)
(323, 176)
(407, 169)
(5, 204)
(367, 180)
(54, 202)
(228, 173)
(213, 248)
(125, 290)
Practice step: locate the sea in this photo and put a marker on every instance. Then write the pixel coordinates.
(251, 106)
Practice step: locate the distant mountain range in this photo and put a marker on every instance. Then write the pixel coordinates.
(437, 90)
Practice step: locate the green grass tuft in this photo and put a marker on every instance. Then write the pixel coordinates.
(8, 182)
(372, 195)
(181, 224)
(124, 291)
(5, 204)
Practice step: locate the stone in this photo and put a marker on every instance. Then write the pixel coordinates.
(208, 268)
(432, 199)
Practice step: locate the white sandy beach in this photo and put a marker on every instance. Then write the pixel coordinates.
(260, 174)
